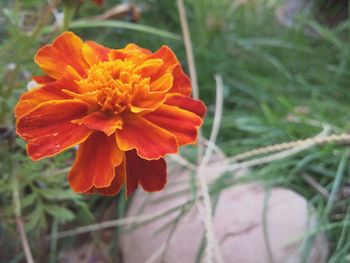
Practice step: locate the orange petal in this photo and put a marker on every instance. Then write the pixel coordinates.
(95, 163)
(88, 97)
(149, 140)
(49, 117)
(132, 46)
(183, 124)
(163, 84)
(187, 103)
(135, 55)
(150, 174)
(66, 136)
(132, 176)
(65, 50)
(49, 130)
(182, 83)
(51, 91)
(101, 122)
(144, 100)
(116, 184)
(168, 57)
(43, 79)
(149, 67)
(94, 53)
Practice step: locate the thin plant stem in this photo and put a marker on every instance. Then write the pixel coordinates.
(188, 48)
(191, 64)
(69, 11)
(212, 245)
(19, 222)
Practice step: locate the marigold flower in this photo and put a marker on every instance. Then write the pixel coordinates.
(126, 108)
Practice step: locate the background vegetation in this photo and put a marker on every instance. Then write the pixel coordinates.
(280, 84)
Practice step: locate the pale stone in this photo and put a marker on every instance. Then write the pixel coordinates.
(238, 226)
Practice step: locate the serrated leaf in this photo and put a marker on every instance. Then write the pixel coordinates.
(59, 212)
(28, 200)
(58, 194)
(34, 218)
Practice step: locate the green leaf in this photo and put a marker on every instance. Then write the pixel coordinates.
(58, 194)
(59, 212)
(28, 200)
(34, 218)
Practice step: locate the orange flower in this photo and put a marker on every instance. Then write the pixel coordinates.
(127, 108)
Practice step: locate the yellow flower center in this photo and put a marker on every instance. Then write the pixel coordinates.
(114, 83)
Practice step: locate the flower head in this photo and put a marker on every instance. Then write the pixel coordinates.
(126, 108)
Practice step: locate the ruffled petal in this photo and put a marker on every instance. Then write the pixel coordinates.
(95, 163)
(182, 123)
(49, 92)
(163, 84)
(181, 83)
(149, 140)
(48, 145)
(49, 117)
(48, 128)
(149, 67)
(132, 175)
(144, 100)
(94, 53)
(168, 57)
(101, 122)
(187, 103)
(150, 174)
(43, 80)
(65, 50)
(130, 52)
(116, 184)
(133, 46)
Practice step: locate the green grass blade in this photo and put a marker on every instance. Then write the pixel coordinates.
(124, 25)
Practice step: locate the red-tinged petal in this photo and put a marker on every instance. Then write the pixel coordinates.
(49, 117)
(132, 46)
(143, 100)
(149, 67)
(150, 174)
(131, 52)
(65, 137)
(116, 184)
(94, 53)
(182, 83)
(135, 55)
(95, 163)
(43, 79)
(132, 176)
(183, 124)
(163, 84)
(187, 103)
(65, 50)
(101, 122)
(168, 57)
(150, 141)
(49, 92)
